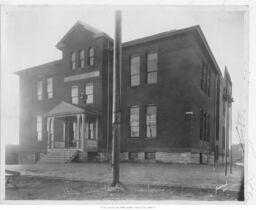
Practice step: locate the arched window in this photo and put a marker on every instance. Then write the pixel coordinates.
(81, 59)
(73, 60)
(91, 56)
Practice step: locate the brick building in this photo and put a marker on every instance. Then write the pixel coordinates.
(172, 103)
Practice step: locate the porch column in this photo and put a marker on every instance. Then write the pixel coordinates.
(97, 129)
(82, 131)
(48, 132)
(52, 130)
(78, 131)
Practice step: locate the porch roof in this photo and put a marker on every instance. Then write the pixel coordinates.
(67, 109)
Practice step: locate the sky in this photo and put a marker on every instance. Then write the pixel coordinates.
(30, 34)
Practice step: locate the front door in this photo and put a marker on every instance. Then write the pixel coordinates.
(71, 140)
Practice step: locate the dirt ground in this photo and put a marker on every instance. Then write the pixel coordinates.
(43, 188)
(158, 174)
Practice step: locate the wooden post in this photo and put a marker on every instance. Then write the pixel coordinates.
(117, 107)
(82, 132)
(48, 133)
(52, 131)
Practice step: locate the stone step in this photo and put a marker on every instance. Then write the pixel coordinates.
(59, 156)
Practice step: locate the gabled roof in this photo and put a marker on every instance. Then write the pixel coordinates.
(39, 67)
(85, 26)
(64, 109)
(194, 29)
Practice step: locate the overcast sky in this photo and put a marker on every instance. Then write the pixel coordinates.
(31, 33)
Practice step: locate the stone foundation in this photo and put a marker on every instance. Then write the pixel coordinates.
(124, 156)
(82, 157)
(27, 157)
(165, 157)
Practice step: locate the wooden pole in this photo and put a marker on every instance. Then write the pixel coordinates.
(117, 107)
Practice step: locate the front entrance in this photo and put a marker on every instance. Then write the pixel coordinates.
(69, 126)
(71, 134)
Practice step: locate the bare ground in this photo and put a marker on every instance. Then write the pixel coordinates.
(49, 188)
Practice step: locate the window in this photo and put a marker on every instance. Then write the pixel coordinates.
(39, 127)
(91, 130)
(73, 60)
(81, 59)
(135, 71)
(151, 121)
(202, 76)
(91, 56)
(201, 123)
(49, 88)
(205, 126)
(74, 95)
(152, 68)
(205, 79)
(208, 127)
(150, 155)
(40, 90)
(89, 93)
(209, 83)
(134, 121)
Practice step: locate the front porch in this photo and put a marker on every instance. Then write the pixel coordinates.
(72, 127)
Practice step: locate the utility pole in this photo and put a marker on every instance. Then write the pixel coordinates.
(117, 101)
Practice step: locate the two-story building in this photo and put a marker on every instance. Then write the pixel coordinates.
(171, 100)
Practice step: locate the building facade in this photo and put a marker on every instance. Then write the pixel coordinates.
(173, 105)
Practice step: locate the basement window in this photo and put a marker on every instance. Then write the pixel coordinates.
(150, 155)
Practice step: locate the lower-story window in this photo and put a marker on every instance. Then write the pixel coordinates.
(39, 127)
(91, 130)
(134, 121)
(151, 113)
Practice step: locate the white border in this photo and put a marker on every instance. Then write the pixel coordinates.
(251, 130)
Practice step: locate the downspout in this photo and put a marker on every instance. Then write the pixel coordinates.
(108, 118)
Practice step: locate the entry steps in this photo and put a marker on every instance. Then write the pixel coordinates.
(58, 156)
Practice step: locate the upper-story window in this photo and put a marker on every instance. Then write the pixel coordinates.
(39, 90)
(151, 123)
(206, 79)
(74, 95)
(89, 93)
(39, 127)
(73, 60)
(49, 87)
(134, 121)
(91, 56)
(135, 71)
(209, 83)
(81, 59)
(202, 76)
(152, 68)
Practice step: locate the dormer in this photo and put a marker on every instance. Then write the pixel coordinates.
(82, 48)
